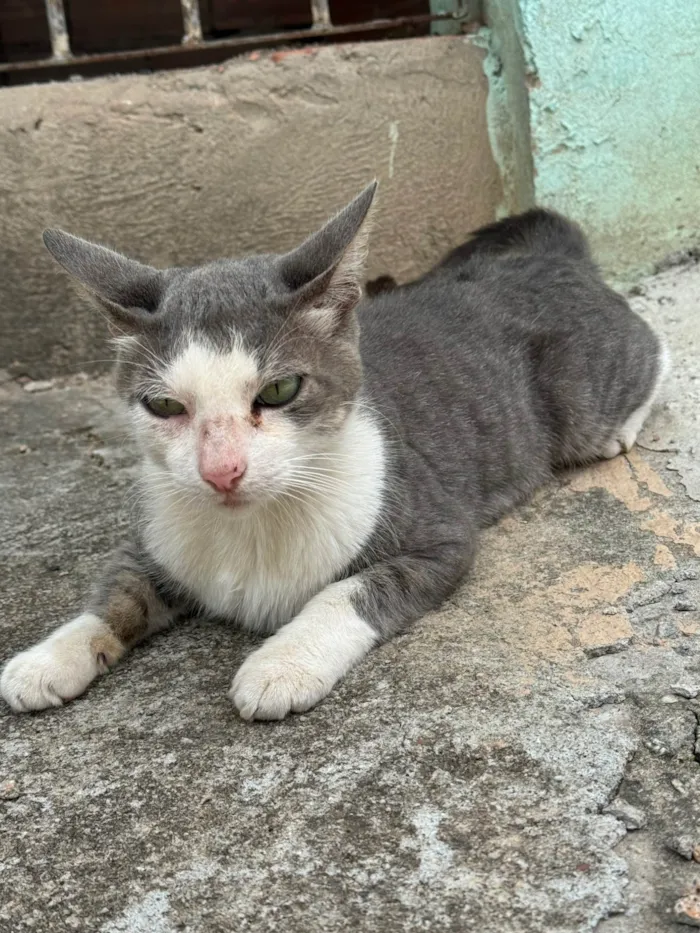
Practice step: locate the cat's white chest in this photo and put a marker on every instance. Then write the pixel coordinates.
(259, 567)
(236, 576)
(258, 573)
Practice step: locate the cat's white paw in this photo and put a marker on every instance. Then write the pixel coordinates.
(272, 683)
(59, 668)
(612, 449)
(300, 665)
(625, 437)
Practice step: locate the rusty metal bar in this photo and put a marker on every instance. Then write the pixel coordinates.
(191, 21)
(58, 30)
(454, 12)
(321, 14)
(219, 49)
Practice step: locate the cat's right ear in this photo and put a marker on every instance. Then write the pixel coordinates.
(126, 289)
(327, 268)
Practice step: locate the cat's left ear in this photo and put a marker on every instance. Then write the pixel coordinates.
(126, 289)
(327, 269)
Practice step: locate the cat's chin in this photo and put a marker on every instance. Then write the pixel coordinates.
(234, 501)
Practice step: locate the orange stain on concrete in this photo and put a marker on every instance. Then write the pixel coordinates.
(673, 529)
(664, 558)
(627, 478)
(597, 629)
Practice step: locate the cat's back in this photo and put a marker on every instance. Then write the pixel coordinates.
(467, 315)
(526, 278)
(510, 357)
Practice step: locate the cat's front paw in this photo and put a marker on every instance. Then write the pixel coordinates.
(300, 665)
(275, 681)
(59, 668)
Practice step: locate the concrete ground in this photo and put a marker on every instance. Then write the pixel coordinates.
(485, 772)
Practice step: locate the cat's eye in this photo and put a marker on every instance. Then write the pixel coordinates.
(164, 407)
(279, 392)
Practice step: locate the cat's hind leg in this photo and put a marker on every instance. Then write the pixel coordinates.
(624, 436)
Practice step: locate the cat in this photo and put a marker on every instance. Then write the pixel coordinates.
(316, 465)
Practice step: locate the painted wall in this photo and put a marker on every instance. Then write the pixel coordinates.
(614, 96)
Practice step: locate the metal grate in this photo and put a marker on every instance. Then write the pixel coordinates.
(44, 40)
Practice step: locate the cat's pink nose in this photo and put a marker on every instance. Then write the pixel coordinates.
(224, 480)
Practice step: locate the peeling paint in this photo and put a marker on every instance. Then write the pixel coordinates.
(664, 558)
(616, 477)
(591, 584)
(597, 631)
(646, 475)
(623, 477)
(615, 122)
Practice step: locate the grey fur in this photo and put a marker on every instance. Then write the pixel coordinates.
(510, 359)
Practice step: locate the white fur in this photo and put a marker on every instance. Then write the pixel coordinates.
(215, 382)
(262, 562)
(299, 666)
(58, 669)
(308, 501)
(625, 436)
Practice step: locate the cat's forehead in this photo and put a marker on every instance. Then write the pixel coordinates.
(225, 301)
(219, 378)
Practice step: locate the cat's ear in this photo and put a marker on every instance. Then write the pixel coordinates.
(327, 269)
(126, 289)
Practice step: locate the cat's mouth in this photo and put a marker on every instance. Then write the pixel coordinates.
(231, 500)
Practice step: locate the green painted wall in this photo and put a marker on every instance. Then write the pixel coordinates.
(614, 108)
(508, 115)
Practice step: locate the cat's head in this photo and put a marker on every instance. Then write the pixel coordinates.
(238, 375)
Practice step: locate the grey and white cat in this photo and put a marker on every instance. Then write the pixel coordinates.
(317, 467)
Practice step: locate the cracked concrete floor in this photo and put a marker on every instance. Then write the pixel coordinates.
(456, 781)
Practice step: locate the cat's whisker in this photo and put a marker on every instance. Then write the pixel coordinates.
(363, 405)
(322, 456)
(275, 347)
(315, 480)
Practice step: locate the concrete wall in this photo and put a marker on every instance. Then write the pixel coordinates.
(614, 97)
(508, 111)
(184, 166)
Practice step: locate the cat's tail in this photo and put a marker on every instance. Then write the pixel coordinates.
(537, 232)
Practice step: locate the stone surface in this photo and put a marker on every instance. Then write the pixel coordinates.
(685, 690)
(687, 910)
(621, 809)
(180, 167)
(455, 781)
(686, 847)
